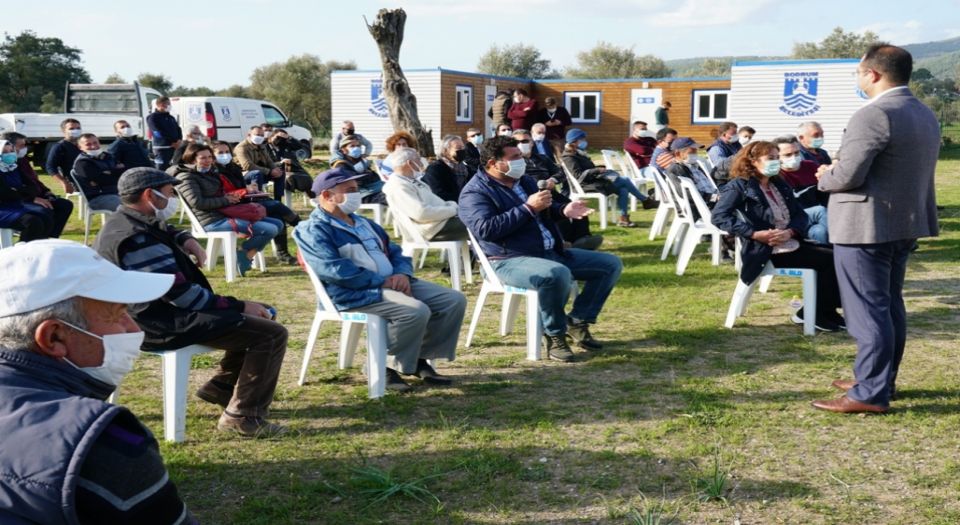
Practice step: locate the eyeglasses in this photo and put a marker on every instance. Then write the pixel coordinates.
(524, 141)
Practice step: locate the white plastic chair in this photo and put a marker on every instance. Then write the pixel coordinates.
(217, 241)
(697, 229)
(577, 193)
(624, 165)
(351, 325)
(511, 297)
(706, 171)
(457, 251)
(667, 207)
(86, 212)
(743, 292)
(682, 221)
(176, 376)
(6, 238)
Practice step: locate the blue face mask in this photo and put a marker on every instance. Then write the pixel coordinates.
(9, 158)
(582, 145)
(203, 170)
(355, 152)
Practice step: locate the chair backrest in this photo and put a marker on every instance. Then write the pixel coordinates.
(572, 181)
(78, 187)
(692, 196)
(485, 265)
(663, 187)
(680, 202)
(706, 172)
(611, 160)
(324, 303)
(196, 228)
(408, 229)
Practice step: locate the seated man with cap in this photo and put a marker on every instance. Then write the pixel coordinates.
(66, 342)
(138, 237)
(351, 157)
(363, 271)
(685, 165)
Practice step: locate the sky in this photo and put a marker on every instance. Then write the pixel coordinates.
(217, 43)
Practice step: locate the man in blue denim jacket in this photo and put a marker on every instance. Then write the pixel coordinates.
(514, 222)
(363, 271)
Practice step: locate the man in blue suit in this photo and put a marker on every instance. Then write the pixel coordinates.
(881, 201)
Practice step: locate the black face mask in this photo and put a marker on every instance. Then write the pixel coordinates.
(349, 132)
(460, 155)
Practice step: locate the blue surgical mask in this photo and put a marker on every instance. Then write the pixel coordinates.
(224, 158)
(203, 170)
(355, 152)
(517, 169)
(9, 158)
(816, 143)
(582, 145)
(771, 167)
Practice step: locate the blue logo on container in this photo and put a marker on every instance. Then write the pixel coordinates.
(378, 104)
(800, 94)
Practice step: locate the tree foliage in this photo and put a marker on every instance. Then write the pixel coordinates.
(607, 60)
(517, 60)
(31, 67)
(300, 86)
(114, 78)
(838, 44)
(160, 82)
(184, 91)
(235, 90)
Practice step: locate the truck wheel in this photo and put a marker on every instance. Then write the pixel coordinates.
(306, 151)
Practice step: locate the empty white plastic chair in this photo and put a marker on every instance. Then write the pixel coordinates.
(351, 325)
(457, 251)
(217, 242)
(697, 229)
(176, 376)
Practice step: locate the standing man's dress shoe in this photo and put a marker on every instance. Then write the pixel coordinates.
(845, 405)
(844, 384)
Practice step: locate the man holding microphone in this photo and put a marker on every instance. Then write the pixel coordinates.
(514, 222)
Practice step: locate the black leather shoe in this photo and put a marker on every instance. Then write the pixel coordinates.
(395, 382)
(430, 376)
(580, 332)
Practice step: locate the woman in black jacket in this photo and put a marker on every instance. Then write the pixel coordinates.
(447, 175)
(760, 208)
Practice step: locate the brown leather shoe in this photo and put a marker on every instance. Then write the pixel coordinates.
(844, 384)
(845, 405)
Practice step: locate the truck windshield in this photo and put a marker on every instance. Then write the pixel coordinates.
(272, 116)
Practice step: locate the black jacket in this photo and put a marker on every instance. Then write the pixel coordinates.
(167, 327)
(444, 182)
(97, 175)
(587, 173)
(746, 196)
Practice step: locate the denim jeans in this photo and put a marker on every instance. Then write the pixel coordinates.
(818, 224)
(263, 230)
(625, 187)
(552, 277)
(260, 179)
(105, 201)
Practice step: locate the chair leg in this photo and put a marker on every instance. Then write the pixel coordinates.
(376, 356)
(809, 302)
(230, 258)
(308, 351)
(673, 235)
(715, 248)
(765, 283)
(690, 242)
(481, 298)
(603, 213)
(455, 269)
(534, 329)
(465, 257)
(86, 226)
(741, 294)
(508, 314)
(212, 245)
(349, 336)
(659, 219)
(176, 372)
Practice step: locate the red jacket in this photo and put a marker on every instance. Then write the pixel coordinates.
(522, 114)
(640, 149)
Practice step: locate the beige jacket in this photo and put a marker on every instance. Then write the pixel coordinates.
(415, 200)
(252, 157)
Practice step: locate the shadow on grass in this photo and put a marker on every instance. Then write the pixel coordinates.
(467, 481)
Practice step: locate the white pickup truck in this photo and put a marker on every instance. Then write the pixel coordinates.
(98, 106)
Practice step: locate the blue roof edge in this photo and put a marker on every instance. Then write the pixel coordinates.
(795, 62)
(538, 81)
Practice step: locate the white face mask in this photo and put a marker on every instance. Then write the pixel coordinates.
(95, 152)
(517, 169)
(267, 134)
(75, 133)
(525, 148)
(21, 153)
(257, 139)
(127, 131)
(120, 353)
(351, 203)
(506, 133)
(744, 140)
(692, 159)
(791, 163)
(539, 136)
(173, 205)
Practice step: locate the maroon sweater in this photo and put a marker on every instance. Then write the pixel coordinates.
(640, 149)
(522, 114)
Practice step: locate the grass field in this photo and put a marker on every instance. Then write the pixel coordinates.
(677, 418)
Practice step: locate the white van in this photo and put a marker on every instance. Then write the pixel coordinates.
(229, 119)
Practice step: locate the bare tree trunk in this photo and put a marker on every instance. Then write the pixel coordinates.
(387, 31)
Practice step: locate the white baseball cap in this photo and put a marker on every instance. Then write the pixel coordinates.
(40, 273)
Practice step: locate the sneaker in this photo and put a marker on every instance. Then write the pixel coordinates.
(557, 348)
(243, 264)
(286, 259)
(249, 426)
(580, 332)
(216, 393)
(824, 325)
(430, 376)
(624, 222)
(649, 204)
(396, 383)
